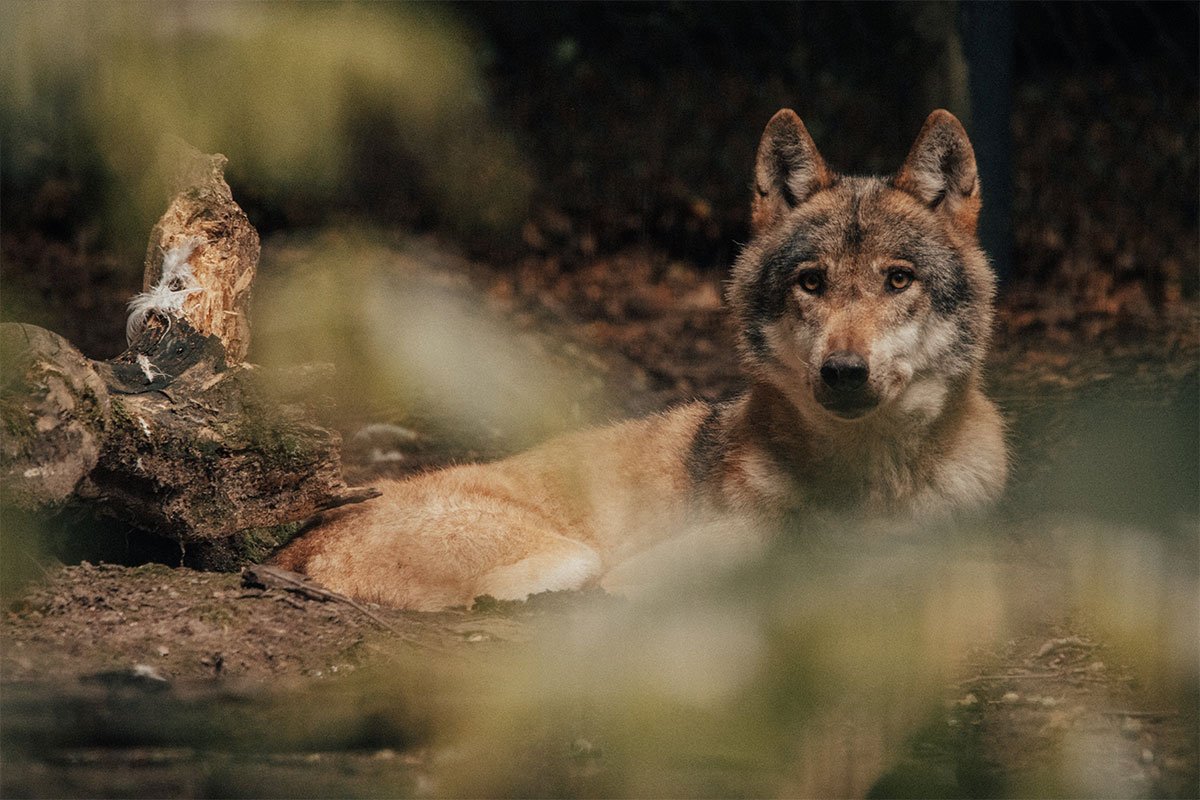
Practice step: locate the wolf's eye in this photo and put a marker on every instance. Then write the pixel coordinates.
(812, 281)
(899, 279)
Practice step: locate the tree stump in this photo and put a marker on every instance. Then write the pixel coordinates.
(176, 436)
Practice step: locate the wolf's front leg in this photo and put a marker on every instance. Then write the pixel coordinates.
(559, 564)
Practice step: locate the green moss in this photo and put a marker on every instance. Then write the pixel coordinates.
(120, 414)
(91, 409)
(250, 546)
(271, 439)
(256, 544)
(15, 419)
(262, 428)
(214, 506)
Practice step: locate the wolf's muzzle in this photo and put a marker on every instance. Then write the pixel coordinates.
(843, 388)
(844, 371)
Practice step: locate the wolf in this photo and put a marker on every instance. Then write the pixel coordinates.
(863, 308)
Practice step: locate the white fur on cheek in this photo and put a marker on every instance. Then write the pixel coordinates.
(936, 344)
(925, 397)
(912, 348)
(891, 353)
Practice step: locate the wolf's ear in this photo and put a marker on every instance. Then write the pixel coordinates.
(940, 170)
(788, 170)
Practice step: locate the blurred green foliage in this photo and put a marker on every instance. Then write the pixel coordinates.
(95, 90)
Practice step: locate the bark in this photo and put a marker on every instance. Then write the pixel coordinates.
(176, 436)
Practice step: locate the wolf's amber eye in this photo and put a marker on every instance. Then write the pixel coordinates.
(899, 279)
(812, 281)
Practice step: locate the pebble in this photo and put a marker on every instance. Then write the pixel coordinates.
(1010, 697)
(1147, 755)
(968, 699)
(163, 651)
(147, 673)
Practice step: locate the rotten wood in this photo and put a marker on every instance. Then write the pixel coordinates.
(176, 436)
(224, 256)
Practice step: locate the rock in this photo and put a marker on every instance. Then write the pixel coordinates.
(139, 676)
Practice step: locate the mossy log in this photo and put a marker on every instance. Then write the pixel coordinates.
(175, 436)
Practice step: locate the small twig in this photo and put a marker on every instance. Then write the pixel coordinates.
(291, 601)
(267, 577)
(351, 495)
(1019, 676)
(204, 406)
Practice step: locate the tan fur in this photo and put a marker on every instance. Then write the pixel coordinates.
(556, 517)
(614, 506)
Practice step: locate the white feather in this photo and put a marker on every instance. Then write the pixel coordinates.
(148, 369)
(176, 285)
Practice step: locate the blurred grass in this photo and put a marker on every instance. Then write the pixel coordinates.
(411, 341)
(100, 87)
(805, 671)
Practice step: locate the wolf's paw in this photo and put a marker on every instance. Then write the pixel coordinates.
(565, 566)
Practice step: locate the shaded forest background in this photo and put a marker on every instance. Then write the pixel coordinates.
(567, 132)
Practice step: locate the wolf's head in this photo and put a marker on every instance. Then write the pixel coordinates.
(860, 295)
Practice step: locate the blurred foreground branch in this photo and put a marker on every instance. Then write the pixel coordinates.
(175, 436)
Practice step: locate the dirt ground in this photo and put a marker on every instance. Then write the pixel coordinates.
(157, 680)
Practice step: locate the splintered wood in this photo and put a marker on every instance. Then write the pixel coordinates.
(203, 217)
(176, 436)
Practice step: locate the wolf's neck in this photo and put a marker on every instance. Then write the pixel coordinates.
(799, 457)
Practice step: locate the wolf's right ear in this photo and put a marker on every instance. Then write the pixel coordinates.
(787, 172)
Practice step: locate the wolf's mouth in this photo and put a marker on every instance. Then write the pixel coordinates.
(848, 405)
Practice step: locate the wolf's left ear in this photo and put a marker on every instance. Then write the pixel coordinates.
(940, 170)
(787, 172)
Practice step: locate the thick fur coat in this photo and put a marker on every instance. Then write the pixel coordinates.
(863, 308)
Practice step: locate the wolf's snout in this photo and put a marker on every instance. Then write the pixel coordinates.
(844, 371)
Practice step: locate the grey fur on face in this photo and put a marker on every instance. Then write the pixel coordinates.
(851, 231)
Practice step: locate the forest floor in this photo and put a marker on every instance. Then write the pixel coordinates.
(158, 680)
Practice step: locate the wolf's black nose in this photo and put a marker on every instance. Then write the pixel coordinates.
(844, 371)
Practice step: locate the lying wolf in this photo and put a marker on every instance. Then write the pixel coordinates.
(863, 307)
